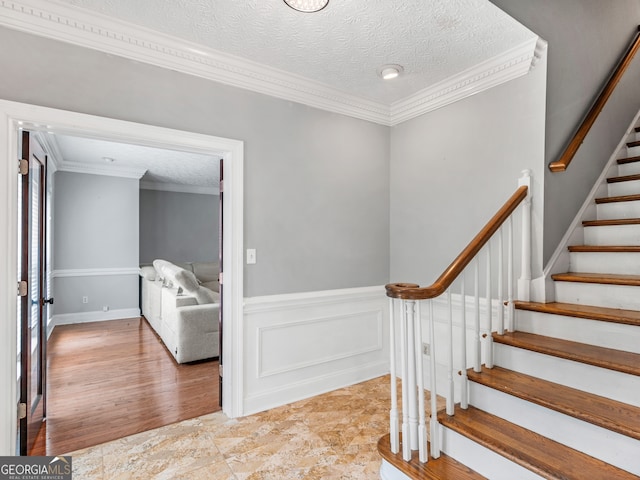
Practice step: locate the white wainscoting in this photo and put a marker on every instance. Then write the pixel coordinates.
(300, 345)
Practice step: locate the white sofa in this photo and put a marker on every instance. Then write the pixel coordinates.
(181, 303)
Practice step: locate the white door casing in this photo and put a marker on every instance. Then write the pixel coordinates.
(13, 117)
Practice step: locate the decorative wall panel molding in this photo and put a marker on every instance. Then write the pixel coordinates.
(300, 345)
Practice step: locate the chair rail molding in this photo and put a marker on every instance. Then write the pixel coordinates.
(99, 32)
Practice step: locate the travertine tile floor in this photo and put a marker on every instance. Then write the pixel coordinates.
(331, 436)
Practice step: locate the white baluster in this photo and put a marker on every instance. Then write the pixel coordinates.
(478, 347)
(450, 399)
(463, 352)
(510, 323)
(433, 424)
(500, 327)
(411, 381)
(406, 434)
(524, 283)
(422, 429)
(488, 361)
(394, 434)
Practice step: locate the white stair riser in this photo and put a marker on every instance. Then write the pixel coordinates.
(623, 188)
(633, 151)
(632, 168)
(481, 459)
(611, 211)
(612, 235)
(599, 295)
(599, 381)
(624, 263)
(581, 330)
(611, 447)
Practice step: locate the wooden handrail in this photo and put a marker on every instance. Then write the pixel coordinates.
(563, 162)
(408, 291)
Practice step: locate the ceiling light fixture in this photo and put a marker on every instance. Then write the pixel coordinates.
(108, 159)
(307, 6)
(391, 71)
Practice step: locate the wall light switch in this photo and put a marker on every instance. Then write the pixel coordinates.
(251, 256)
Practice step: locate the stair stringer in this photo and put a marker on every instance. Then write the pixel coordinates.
(543, 288)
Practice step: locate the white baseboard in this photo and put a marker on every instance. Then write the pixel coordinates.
(300, 345)
(99, 316)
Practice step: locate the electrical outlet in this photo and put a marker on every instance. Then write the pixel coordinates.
(105, 308)
(426, 349)
(85, 299)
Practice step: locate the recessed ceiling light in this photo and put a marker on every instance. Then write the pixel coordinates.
(307, 6)
(390, 71)
(108, 159)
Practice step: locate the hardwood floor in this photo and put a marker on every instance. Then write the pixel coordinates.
(107, 380)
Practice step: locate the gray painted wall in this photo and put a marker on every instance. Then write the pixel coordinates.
(452, 169)
(316, 183)
(586, 39)
(96, 226)
(177, 226)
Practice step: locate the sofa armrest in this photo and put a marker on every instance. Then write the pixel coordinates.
(198, 318)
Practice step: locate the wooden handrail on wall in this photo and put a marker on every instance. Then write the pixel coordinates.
(563, 162)
(410, 291)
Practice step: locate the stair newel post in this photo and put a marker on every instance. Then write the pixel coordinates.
(511, 308)
(489, 313)
(434, 434)
(412, 360)
(422, 429)
(524, 283)
(476, 326)
(463, 352)
(450, 400)
(393, 413)
(500, 327)
(406, 434)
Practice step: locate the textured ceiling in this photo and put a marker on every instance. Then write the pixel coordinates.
(162, 166)
(342, 45)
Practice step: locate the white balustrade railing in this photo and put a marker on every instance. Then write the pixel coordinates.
(407, 320)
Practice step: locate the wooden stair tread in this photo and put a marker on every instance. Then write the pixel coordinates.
(443, 468)
(622, 161)
(604, 278)
(604, 314)
(609, 358)
(547, 458)
(605, 248)
(601, 411)
(618, 199)
(616, 221)
(623, 178)
(633, 144)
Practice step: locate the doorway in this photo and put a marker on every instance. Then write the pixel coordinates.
(21, 116)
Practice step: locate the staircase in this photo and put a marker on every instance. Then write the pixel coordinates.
(563, 398)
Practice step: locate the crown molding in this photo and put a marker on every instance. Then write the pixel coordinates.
(109, 171)
(178, 188)
(88, 29)
(488, 74)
